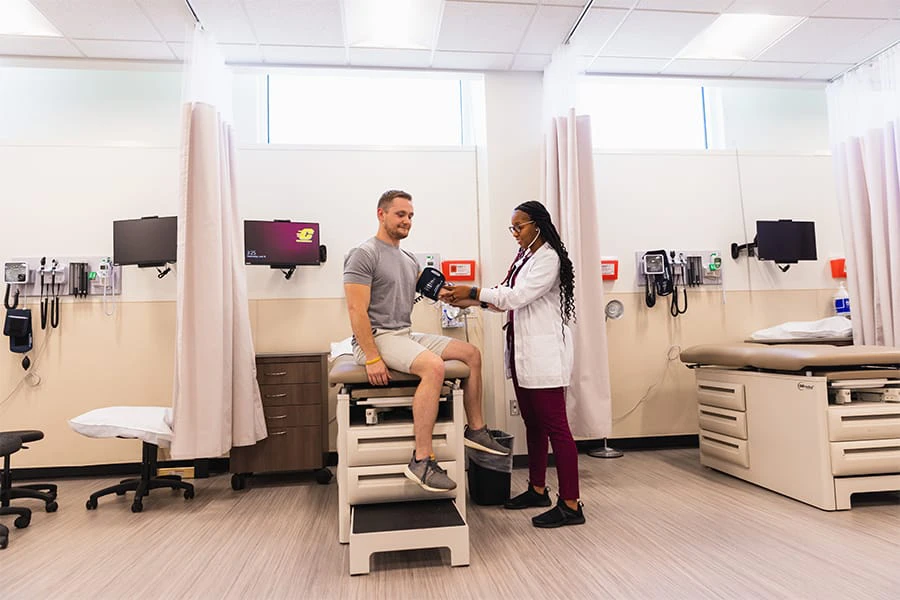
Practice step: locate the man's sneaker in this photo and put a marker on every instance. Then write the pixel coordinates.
(481, 439)
(429, 475)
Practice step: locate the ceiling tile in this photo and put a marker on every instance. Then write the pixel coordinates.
(686, 5)
(304, 55)
(790, 8)
(390, 57)
(708, 68)
(226, 20)
(472, 61)
(816, 40)
(652, 34)
(549, 29)
(125, 50)
(825, 71)
(15, 45)
(776, 70)
(298, 22)
(594, 30)
(870, 45)
(98, 19)
(876, 9)
(483, 27)
(642, 66)
(171, 17)
(612, 3)
(246, 54)
(530, 62)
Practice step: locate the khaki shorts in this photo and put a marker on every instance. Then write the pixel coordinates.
(400, 347)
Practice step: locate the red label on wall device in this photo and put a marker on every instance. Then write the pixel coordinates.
(458, 270)
(609, 268)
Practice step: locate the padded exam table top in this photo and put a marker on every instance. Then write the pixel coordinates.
(345, 370)
(790, 357)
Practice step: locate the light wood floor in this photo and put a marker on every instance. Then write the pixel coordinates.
(659, 526)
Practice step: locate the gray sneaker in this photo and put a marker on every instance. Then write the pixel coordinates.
(481, 439)
(428, 474)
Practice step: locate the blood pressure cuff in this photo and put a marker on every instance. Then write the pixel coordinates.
(17, 327)
(430, 283)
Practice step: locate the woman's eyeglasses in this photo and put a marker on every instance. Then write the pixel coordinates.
(517, 228)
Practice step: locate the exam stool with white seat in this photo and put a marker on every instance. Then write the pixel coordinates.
(379, 509)
(151, 425)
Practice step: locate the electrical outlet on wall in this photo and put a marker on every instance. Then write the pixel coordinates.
(513, 408)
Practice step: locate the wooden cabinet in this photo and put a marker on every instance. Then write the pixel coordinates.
(294, 390)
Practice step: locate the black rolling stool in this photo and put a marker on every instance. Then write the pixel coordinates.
(8, 445)
(38, 491)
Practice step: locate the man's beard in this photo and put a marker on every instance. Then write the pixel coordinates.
(398, 234)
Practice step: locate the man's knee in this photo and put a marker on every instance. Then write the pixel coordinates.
(472, 356)
(428, 366)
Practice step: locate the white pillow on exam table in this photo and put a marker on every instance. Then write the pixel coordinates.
(831, 328)
(148, 423)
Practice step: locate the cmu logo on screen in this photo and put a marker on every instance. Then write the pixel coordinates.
(305, 235)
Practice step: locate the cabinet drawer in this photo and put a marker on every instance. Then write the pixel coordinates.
(722, 420)
(871, 457)
(721, 394)
(866, 422)
(387, 483)
(389, 444)
(296, 372)
(279, 417)
(297, 393)
(286, 449)
(724, 448)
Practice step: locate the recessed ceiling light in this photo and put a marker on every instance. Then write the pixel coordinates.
(739, 36)
(393, 23)
(19, 17)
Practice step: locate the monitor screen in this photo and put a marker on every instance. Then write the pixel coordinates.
(281, 243)
(147, 242)
(786, 241)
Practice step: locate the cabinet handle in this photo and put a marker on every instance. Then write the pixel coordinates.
(278, 417)
(279, 433)
(277, 374)
(276, 395)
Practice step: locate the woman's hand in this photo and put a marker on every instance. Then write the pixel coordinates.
(455, 294)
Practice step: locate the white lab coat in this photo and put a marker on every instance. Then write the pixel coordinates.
(543, 345)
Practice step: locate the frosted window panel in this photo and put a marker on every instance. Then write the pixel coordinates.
(358, 110)
(90, 107)
(643, 115)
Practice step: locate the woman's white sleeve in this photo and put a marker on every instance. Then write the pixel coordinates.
(537, 281)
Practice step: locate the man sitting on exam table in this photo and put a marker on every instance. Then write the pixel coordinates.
(379, 282)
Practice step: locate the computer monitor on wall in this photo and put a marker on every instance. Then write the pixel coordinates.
(146, 242)
(785, 241)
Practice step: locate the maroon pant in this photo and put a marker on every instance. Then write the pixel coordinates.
(544, 413)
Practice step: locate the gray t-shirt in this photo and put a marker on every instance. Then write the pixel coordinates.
(391, 274)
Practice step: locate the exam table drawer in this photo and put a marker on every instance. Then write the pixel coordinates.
(870, 421)
(389, 444)
(293, 416)
(725, 448)
(872, 457)
(388, 483)
(722, 420)
(721, 394)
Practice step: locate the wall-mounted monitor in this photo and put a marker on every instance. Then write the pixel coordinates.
(147, 242)
(281, 244)
(786, 241)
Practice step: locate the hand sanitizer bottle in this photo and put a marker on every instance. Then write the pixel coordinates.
(842, 302)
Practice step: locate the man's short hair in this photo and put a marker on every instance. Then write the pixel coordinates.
(388, 197)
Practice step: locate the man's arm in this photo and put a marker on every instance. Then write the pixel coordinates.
(358, 298)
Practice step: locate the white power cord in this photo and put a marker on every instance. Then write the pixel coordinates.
(30, 377)
(670, 357)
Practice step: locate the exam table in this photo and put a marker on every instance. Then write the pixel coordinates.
(813, 422)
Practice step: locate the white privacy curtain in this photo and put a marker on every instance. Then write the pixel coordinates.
(864, 115)
(570, 196)
(216, 398)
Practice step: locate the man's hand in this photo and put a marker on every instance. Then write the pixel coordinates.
(378, 373)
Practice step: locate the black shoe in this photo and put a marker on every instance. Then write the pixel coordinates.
(559, 515)
(527, 499)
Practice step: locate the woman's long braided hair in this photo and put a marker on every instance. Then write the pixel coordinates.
(538, 213)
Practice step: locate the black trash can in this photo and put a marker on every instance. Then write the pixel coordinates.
(489, 475)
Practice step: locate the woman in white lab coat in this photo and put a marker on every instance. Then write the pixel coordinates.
(538, 293)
